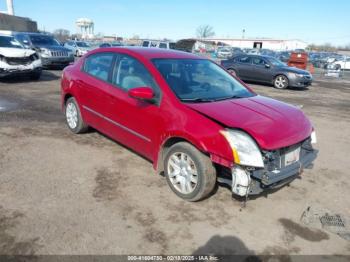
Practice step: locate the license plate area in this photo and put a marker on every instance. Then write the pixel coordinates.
(292, 156)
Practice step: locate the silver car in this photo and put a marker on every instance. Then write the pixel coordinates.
(79, 48)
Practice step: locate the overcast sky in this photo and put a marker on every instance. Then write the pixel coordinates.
(309, 20)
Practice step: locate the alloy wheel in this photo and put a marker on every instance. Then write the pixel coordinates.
(72, 115)
(281, 82)
(182, 172)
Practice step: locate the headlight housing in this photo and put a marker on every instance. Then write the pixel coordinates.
(45, 52)
(298, 75)
(245, 150)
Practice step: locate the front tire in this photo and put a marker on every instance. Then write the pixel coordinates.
(281, 82)
(232, 71)
(73, 117)
(189, 173)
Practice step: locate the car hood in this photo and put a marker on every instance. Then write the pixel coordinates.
(294, 70)
(53, 47)
(271, 123)
(84, 48)
(15, 52)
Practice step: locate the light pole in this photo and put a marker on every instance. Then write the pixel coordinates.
(10, 10)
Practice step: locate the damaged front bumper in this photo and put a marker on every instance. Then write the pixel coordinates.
(279, 169)
(57, 61)
(11, 70)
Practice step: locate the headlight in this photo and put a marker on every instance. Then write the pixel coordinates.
(245, 150)
(313, 137)
(45, 52)
(298, 75)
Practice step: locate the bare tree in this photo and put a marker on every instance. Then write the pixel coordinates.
(205, 31)
(61, 34)
(324, 47)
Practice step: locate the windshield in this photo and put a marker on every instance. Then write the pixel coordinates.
(82, 44)
(9, 42)
(199, 80)
(43, 40)
(276, 62)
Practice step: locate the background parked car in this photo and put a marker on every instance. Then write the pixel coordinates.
(49, 49)
(159, 44)
(283, 56)
(224, 52)
(342, 64)
(111, 44)
(267, 69)
(79, 48)
(15, 59)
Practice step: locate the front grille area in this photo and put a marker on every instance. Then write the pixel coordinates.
(19, 60)
(274, 160)
(59, 53)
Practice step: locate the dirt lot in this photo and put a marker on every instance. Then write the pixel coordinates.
(85, 194)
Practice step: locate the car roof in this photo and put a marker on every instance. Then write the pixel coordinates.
(30, 33)
(151, 53)
(254, 55)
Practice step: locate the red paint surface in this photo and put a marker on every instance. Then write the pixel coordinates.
(145, 127)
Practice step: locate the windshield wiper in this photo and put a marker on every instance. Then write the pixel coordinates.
(203, 100)
(196, 100)
(227, 97)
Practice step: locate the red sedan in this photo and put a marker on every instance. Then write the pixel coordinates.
(195, 122)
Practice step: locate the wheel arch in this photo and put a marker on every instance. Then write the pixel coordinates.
(169, 142)
(279, 74)
(66, 97)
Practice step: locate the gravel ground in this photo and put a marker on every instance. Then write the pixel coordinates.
(85, 194)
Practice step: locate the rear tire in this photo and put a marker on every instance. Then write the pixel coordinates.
(74, 119)
(189, 173)
(232, 71)
(281, 82)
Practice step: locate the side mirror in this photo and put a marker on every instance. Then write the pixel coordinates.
(267, 66)
(142, 93)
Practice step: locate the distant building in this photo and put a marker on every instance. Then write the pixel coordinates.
(108, 38)
(273, 44)
(17, 23)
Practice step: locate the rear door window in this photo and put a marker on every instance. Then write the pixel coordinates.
(259, 61)
(99, 65)
(145, 43)
(245, 60)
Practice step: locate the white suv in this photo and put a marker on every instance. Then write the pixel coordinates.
(343, 64)
(15, 59)
(159, 44)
